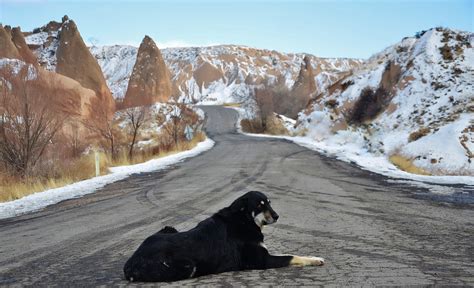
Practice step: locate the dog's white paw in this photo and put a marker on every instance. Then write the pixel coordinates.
(307, 261)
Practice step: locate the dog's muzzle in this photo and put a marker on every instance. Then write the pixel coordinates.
(270, 217)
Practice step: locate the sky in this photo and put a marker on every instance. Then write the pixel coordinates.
(324, 28)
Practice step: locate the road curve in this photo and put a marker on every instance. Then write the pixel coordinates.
(370, 231)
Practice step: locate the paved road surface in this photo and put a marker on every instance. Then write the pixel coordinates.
(370, 231)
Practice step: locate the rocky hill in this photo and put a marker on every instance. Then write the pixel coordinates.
(412, 103)
(150, 80)
(220, 74)
(60, 48)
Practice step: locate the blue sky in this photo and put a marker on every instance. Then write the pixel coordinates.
(323, 28)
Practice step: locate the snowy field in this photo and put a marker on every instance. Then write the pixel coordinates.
(40, 200)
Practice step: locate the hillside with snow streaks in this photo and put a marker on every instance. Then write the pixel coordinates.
(220, 74)
(117, 65)
(424, 87)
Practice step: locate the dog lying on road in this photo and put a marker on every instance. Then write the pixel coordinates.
(230, 240)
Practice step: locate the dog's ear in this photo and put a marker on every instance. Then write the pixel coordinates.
(239, 205)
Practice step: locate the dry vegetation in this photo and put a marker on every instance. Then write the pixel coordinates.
(42, 146)
(406, 165)
(418, 134)
(369, 105)
(265, 120)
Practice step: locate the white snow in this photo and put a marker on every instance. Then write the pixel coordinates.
(40, 200)
(16, 65)
(36, 38)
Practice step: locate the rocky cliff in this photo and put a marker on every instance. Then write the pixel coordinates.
(150, 79)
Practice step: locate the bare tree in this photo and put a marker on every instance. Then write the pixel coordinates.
(103, 126)
(135, 118)
(264, 105)
(29, 121)
(174, 126)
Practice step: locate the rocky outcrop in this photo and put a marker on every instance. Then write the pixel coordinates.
(24, 52)
(75, 61)
(7, 48)
(206, 73)
(150, 79)
(305, 86)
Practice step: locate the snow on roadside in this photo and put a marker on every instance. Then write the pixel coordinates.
(40, 200)
(349, 150)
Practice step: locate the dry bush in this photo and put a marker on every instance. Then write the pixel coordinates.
(446, 53)
(274, 126)
(369, 105)
(331, 103)
(252, 125)
(264, 105)
(418, 134)
(29, 120)
(346, 84)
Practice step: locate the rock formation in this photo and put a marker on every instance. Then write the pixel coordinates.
(305, 85)
(7, 48)
(24, 52)
(150, 79)
(75, 61)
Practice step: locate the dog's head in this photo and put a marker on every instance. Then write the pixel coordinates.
(255, 206)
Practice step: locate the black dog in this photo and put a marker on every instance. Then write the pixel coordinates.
(230, 240)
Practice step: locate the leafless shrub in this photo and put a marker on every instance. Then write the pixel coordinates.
(29, 120)
(369, 105)
(135, 118)
(104, 128)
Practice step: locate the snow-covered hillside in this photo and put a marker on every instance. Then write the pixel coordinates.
(413, 102)
(117, 64)
(219, 74)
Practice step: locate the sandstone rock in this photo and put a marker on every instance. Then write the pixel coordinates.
(75, 61)
(305, 85)
(25, 53)
(150, 80)
(7, 48)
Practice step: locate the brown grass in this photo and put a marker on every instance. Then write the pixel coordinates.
(232, 104)
(406, 165)
(12, 188)
(274, 126)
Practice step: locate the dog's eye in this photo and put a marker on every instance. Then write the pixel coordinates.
(262, 202)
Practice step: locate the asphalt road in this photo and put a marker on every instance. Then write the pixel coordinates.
(372, 231)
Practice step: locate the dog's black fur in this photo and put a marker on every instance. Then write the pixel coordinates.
(230, 240)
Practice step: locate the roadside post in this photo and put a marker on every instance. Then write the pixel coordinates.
(188, 132)
(97, 163)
